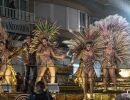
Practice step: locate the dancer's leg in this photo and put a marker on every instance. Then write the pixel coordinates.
(52, 70)
(105, 77)
(8, 77)
(85, 84)
(41, 72)
(91, 80)
(113, 75)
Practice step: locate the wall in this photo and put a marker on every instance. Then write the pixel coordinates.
(42, 10)
(73, 19)
(60, 15)
(67, 18)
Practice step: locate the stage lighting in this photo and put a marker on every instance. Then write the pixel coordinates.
(125, 72)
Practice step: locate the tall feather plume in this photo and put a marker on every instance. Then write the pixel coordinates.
(44, 29)
(79, 40)
(116, 29)
(7, 39)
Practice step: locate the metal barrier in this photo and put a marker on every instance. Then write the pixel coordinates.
(16, 14)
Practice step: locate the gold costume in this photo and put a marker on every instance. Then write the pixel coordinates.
(6, 70)
(45, 60)
(78, 75)
(50, 31)
(46, 65)
(113, 29)
(22, 50)
(107, 64)
(109, 67)
(109, 61)
(7, 74)
(12, 77)
(85, 75)
(85, 71)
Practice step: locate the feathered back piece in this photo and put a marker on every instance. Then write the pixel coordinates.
(116, 30)
(4, 37)
(46, 30)
(79, 40)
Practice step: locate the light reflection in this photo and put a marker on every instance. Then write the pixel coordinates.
(125, 72)
(75, 67)
(123, 5)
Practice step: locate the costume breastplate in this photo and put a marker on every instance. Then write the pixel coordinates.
(87, 58)
(44, 52)
(109, 59)
(109, 56)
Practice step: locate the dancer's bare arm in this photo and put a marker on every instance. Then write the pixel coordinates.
(80, 55)
(57, 56)
(39, 49)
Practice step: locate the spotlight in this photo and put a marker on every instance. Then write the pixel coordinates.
(125, 72)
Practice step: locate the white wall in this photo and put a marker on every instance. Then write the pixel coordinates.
(87, 22)
(42, 10)
(66, 17)
(73, 19)
(59, 13)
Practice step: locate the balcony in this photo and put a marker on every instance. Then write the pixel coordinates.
(16, 14)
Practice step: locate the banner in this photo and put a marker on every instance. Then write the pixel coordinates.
(16, 26)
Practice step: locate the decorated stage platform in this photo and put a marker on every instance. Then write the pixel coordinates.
(110, 95)
(72, 91)
(61, 96)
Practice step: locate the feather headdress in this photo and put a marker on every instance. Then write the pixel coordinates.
(116, 29)
(8, 39)
(79, 40)
(46, 30)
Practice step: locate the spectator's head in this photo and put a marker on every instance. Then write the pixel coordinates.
(40, 86)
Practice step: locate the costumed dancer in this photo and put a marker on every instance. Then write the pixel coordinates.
(45, 54)
(86, 47)
(7, 73)
(109, 64)
(44, 38)
(115, 33)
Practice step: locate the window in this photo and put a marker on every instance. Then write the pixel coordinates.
(82, 21)
(75, 67)
(23, 5)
